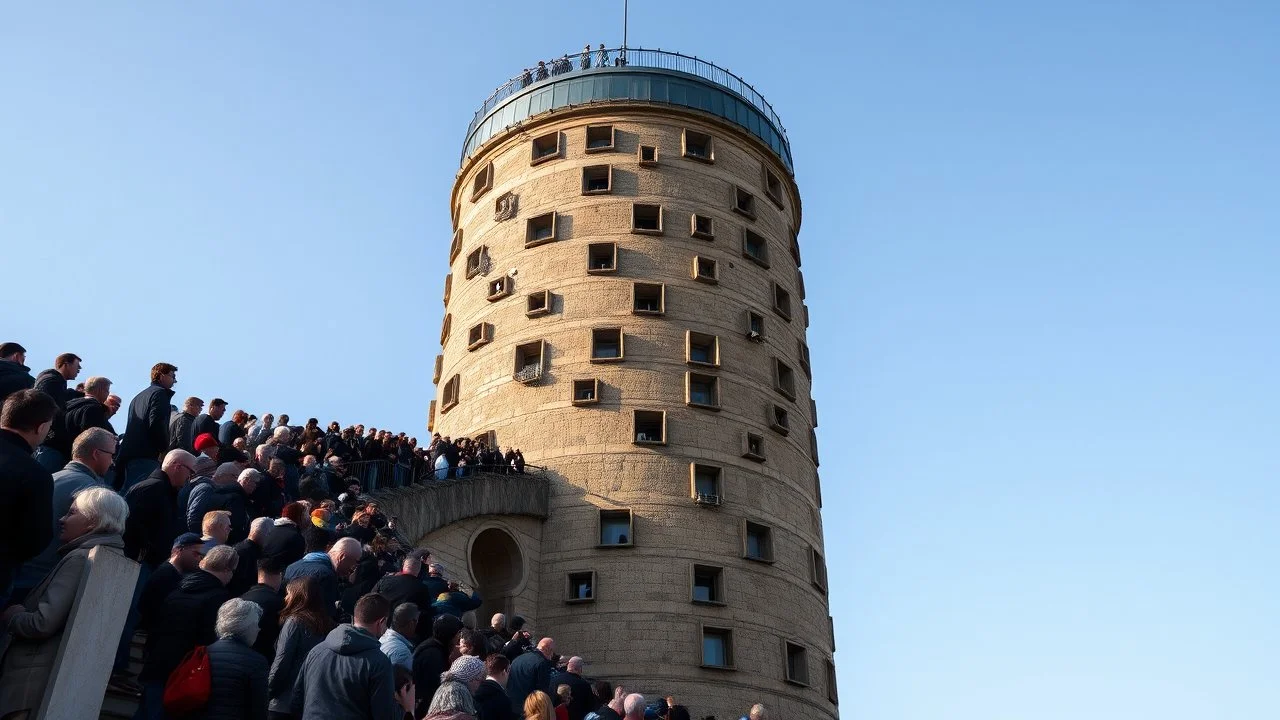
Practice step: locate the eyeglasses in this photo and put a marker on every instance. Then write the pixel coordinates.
(112, 453)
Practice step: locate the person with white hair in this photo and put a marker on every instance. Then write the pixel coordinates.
(633, 707)
(250, 551)
(757, 712)
(326, 568)
(80, 414)
(238, 673)
(583, 699)
(91, 457)
(95, 518)
(153, 509)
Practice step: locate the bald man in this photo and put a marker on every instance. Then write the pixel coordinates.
(531, 671)
(582, 699)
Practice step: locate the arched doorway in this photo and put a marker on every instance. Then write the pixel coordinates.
(498, 568)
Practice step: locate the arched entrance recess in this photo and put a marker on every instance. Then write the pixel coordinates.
(497, 565)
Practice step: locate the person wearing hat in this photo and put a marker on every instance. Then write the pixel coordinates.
(206, 445)
(184, 557)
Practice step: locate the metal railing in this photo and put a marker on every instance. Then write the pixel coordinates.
(373, 475)
(631, 57)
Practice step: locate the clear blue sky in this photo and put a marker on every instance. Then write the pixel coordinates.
(1041, 244)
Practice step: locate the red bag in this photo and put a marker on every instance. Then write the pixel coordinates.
(189, 684)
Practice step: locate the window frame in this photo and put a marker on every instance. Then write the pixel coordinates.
(781, 372)
(636, 288)
(803, 654)
(772, 186)
(758, 456)
(569, 598)
(760, 334)
(779, 309)
(450, 393)
(530, 234)
(520, 359)
(747, 526)
(698, 275)
(481, 254)
(692, 376)
(726, 636)
(717, 584)
(709, 234)
(537, 159)
(613, 139)
(595, 391)
(802, 353)
(507, 286)
(748, 236)
(710, 143)
(714, 346)
(439, 369)
(741, 194)
(817, 569)
(622, 340)
(448, 288)
(635, 427)
(431, 416)
(591, 258)
(635, 229)
(485, 336)
(445, 326)
(641, 159)
(715, 499)
(482, 182)
(455, 246)
(586, 178)
(615, 512)
(783, 427)
(546, 304)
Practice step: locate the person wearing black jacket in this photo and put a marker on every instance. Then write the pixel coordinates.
(583, 700)
(26, 488)
(405, 587)
(80, 414)
(185, 619)
(180, 426)
(267, 594)
(285, 542)
(14, 374)
(250, 551)
(491, 698)
(207, 422)
(153, 509)
(431, 658)
(529, 672)
(53, 382)
(146, 436)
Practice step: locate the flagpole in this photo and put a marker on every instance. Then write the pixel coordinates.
(625, 9)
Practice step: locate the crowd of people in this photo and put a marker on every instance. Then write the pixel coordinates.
(270, 585)
(564, 64)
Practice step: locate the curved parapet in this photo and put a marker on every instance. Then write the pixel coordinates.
(421, 509)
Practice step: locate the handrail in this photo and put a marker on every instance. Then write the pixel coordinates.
(633, 57)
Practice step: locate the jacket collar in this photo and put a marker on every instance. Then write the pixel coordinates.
(16, 439)
(84, 469)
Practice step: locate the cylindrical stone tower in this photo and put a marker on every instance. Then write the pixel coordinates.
(625, 306)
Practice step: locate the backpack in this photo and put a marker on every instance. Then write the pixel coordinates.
(189, 685)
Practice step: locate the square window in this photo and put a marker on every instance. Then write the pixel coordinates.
(744, 203)
(701, 349)
(803, 351)
(705, 270)
(529, 362)
(698, 146)
(817, 569)
(784, 379)
(772, 187)
(717, 648)
(545, 148)
(832, 695)
(755, 248)
(708, 585)
(537, 303)
(616, 528)
(455, 247)
(757, 541)
(478, 335)
(450, 398)
(540, 229)
(648, 298)
(702, 390)
(586, 392)
(597, 179)
(435, 374)
(606, 344)
(650, 427)
(599, 138)
(753, 446)
(448, 288)
(482, 182)
(755, 326)
(581, 587)
(706, 486)
(781, 302)
(500, 288)
(602, 258)
(444, 328)
(477, 261)
(797, 664)
(646, 219)
(779, 419)
(702, 226)
(648, 155)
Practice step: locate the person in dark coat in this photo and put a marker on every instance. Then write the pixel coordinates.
(491, 698)
(208, 421)
(529, 672)
(326, 568)
(521, 640)
(583, 700)
(26, 488)
(456, 602)
(185, 619)
(14, 374)
(431, 657)
(304, 622)
(80, 414)
(53, 382)
(153, 510)
(146, 436)
(405, 587)
(250, 551)
(232, 429)
(347, 676)
(238, 674)
(267, 595)
(285, 543)
(185, 557)
(180, 426)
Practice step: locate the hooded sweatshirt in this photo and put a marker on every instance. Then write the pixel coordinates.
(346, 677)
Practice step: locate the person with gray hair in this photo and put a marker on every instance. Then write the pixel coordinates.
(633, 707)
(250, 551)
(453, 698)
(326, 568)
(91, 458)
(582, 698)
(95, 518)
(757, 712)
(397, 641)
(79, 415)
(238, 673)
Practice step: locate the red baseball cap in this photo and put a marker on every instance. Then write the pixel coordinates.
(204, 441)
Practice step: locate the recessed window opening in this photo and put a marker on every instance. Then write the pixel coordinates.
(482, 182)
(744, 202)
(797, 664)
(602, 257)
(649, 298)
(500, 288)
(698, 146)
(781, 301)
(540, 229)
(759, 542)
(708, 584)
(529, 362)
(597, 179)
(599, 138)
(537, 303)
(717, 648)
(586, 391)
(706, 483)
(476, 261)
(703, 349)
(755, 248)
(646, 218)
(546, 147)
(582, 586)
(784, 379)
(650, 427)
(780, 419)
(606, 344)
(703, 227)
(648, 155)
(705, 270)
(703, 390)
(773, 187)
(616, 528)
(755, 326)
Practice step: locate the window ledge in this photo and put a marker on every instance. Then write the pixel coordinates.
(712, 603)
(766, 561)
(702, 406)
(614, 546)
(717, 667)
(579, 601)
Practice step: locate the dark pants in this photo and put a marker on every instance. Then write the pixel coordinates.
(130, 622)
(152, 705)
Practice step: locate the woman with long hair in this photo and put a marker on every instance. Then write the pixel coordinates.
(304, 622)
(538, 706)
